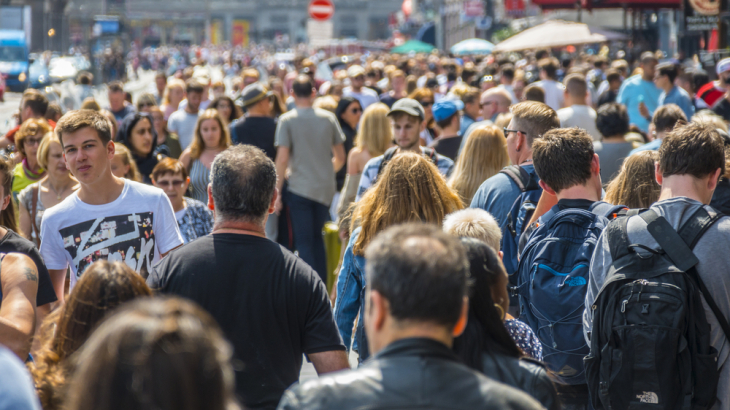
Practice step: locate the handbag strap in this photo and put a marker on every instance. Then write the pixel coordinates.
(34, 211)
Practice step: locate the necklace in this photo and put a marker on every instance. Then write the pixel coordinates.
(58, 194)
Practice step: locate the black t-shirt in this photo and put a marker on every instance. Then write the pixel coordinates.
(723, 109)
(448, 147)
(256, 131)
(12, 242)
(388, 99)
(271, 306)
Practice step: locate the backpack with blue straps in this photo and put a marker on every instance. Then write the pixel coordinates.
(552, 282)
(518, 217)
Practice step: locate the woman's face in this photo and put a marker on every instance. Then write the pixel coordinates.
(56, 164)
(174, 186)
(224, 109)
(176, 94)
(158, 121)
(352, 114)
(141, 137)
(499, 290)
(31, 144)
(119, 168)
(210, 131)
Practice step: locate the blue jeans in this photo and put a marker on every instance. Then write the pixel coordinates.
(307, 219)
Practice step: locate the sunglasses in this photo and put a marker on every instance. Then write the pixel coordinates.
(359, 78)
(33, 141)
(426, 103)
(507, 131)
(147, 104)
(175, 183)
(356, 110)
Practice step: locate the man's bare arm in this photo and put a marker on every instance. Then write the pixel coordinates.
(331, 361)
(19, 282)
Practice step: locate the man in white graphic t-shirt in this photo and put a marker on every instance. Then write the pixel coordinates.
(108, 217)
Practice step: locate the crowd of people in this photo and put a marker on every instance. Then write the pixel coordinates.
(516, 231)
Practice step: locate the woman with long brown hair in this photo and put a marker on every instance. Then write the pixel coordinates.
(635, 186)
(103, 286)
(410, 189)
(483, 155)
(211, 137)
(158, 353)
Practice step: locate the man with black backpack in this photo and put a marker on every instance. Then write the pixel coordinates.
(553, 269)
(406, 117)
(659, 292)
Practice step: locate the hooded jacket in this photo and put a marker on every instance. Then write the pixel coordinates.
(146, 163)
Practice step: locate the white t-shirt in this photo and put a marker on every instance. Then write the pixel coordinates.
(581, 116)
(553, 93)
(366, 96)
(136, 228)
(183, 124)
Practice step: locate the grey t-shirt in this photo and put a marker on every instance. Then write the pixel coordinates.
(310, 134)
(612, 156)
(183, 124)
(713, 268)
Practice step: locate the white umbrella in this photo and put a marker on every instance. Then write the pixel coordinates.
(472, 46)
(557, 33)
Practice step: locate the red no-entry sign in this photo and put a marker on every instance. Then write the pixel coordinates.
(321, 10)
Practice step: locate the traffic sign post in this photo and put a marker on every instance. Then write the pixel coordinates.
(321, 10)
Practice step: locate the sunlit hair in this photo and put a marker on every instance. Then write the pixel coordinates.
(45, 147)
(483, 155)
(8, 217)
(169, 166)
(121, 151)
(327, 102)
(375, 134)
(635, 186)
(475, 223)
(198, 145)
(103, 286)
(30, 127)
(155, 353)
(410, 189)
(176, 83)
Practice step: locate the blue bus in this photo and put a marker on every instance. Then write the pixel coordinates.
(14, 59)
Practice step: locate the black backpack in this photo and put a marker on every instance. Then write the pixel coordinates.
(650, 344)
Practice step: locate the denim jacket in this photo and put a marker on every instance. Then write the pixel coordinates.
(350, 284)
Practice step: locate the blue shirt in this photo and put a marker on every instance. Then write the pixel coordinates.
(497, 194)
(466, 121)
(632, 92)
(370, 173)
(17, 391)
(350, 284)
(678, 96)
(653, 146)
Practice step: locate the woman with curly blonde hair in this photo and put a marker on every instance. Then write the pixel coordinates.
(410, 189)
(483, 155)
(103, 286)
(635, 186)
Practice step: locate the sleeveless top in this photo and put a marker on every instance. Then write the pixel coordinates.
(199, 178)
(25, 198)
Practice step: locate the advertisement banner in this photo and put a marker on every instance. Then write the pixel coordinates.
(239, 36)
(216, 32)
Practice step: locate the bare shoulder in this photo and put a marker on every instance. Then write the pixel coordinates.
(17, 267)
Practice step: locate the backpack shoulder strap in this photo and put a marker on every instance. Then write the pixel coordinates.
(607, 210)
(697, 225)
(387, 156)
(520, 177)
(617, 235)
(679, 252)
(431, 154)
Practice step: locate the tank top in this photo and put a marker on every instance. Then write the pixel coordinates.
(199, 178)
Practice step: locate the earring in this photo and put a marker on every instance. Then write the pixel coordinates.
(501, 311)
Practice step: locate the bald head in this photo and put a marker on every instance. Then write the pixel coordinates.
(495, 101)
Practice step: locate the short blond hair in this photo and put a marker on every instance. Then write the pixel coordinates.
(474, 223)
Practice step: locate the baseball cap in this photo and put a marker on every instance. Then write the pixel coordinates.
(723, 65)
(408, 106)
(355, 70)
(446, 108)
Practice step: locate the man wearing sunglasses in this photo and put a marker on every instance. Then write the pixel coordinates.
(357, 88)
